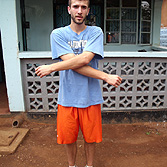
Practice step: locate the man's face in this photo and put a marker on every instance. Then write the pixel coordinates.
(79, 10)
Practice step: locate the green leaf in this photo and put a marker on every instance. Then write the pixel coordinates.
(148, 133)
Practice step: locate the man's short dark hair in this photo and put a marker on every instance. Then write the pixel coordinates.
(69, 2)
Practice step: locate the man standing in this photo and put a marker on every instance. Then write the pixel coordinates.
(79, 47)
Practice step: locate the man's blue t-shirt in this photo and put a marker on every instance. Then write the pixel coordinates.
(76, 90)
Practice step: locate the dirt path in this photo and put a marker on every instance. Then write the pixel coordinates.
(124, 145)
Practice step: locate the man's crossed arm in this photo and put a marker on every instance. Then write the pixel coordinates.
(79, 64)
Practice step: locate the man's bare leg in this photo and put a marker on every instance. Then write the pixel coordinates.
(89, 151)
(71, 150)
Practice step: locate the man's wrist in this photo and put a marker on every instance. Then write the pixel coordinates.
(104, 77)
(52, 68)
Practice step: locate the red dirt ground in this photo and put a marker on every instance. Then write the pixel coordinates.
(4, 108)
(124, 145)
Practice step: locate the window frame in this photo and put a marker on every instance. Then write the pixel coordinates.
(138, 24)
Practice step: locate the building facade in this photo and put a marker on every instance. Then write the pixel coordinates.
(131, 44)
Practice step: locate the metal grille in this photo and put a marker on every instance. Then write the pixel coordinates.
(128, 22)
(94, 17)
(143, 85)
(62, 16)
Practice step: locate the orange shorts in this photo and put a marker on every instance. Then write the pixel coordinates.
(69, 119)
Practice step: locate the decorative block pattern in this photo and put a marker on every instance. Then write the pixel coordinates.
(143, 86)
(40, 93)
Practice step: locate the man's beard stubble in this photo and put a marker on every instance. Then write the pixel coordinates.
(79, 23)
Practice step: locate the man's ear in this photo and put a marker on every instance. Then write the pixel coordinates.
(68, 10)
(88, 11)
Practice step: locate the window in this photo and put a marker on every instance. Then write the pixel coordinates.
(128, 22)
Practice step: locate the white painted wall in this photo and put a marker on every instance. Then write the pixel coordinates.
(19, 25)
(40, 16)
(8, 25)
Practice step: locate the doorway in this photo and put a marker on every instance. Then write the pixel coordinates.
(62, 18)
(4, 106)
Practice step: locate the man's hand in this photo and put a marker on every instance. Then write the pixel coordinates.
(114, 80)
(43, 70)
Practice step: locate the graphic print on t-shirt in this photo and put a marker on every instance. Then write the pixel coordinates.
(77, 46)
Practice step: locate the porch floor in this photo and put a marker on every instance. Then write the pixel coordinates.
(4, 106)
